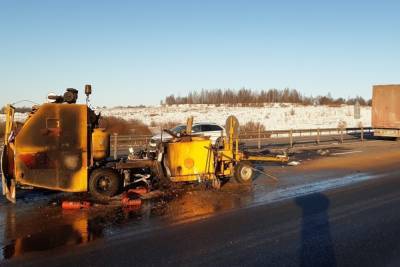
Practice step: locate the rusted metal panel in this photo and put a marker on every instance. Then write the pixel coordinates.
(51, 149)
(386, 106)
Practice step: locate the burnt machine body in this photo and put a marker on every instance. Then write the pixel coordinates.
(52, 150)
(56, 147)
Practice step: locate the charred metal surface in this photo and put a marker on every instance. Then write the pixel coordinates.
(51, 148)
(385, 106)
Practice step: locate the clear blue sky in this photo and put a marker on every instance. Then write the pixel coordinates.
(137, 52)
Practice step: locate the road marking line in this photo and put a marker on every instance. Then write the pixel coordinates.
(345, 153)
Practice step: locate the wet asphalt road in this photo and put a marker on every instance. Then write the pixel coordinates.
(357, 225)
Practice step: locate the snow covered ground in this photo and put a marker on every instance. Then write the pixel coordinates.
(273, 116)
(18, 117)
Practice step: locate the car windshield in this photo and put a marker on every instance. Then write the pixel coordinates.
(179, 129)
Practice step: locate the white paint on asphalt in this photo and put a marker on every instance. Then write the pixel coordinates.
(310, 188)
(345, 153)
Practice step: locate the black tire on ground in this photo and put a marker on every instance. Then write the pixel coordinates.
(244, 172)
(104, 184)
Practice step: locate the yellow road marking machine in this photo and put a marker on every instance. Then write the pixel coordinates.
(61, 147)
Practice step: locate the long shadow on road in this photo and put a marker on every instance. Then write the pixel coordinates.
(316, 241)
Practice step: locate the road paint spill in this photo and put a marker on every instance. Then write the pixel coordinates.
(345, 153)
(310, 188)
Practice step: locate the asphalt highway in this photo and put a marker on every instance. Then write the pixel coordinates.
(353, 226)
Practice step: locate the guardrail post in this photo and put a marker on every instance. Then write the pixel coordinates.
(341, 135)
(318, 136)
(115, 145)
(259, 137)
(362, 133)
(291, 138)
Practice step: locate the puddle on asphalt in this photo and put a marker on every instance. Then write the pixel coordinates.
(76, 232)
(30, 228)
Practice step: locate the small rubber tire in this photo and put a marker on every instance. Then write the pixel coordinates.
(244, 173)
(104, 183)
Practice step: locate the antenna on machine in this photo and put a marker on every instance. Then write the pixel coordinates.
(88, 92)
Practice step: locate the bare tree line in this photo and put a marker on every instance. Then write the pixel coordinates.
(250, 97)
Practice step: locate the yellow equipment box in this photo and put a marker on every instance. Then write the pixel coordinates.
(190, 160)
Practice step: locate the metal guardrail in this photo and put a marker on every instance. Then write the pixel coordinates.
(123, 142)
(290, 137)
(120, 144)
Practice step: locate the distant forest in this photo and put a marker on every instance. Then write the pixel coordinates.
(248, 97)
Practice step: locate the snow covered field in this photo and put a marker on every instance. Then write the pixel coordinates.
(18, 117)
(273, 116)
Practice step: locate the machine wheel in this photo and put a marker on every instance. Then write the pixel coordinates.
(244, 172)
(104, 184)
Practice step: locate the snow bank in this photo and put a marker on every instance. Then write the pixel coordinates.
(273, 117)
(20, 117)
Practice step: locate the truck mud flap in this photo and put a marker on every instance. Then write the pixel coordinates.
(8, 183)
